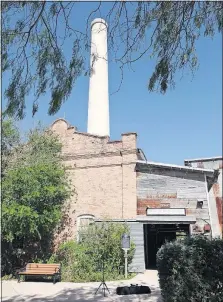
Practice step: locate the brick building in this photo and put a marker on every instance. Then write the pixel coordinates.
(103, 174)
(114, 181)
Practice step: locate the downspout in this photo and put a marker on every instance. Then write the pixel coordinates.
(140, 150)
(208, 200)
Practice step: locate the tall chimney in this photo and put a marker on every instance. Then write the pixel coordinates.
(98, 103)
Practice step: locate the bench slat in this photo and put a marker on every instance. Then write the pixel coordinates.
(37, 266)
(43, 268)
(42, 265)
(52, 264)
(36, 273)
(39, 272)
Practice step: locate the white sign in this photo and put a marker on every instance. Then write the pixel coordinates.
(161, 212)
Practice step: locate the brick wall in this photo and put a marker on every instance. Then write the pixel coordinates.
(102, 172)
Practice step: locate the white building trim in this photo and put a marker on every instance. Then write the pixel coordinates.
(167, 219)
(204, 159)
(175, 166)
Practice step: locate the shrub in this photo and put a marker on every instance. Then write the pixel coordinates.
(191, 270)
(82, 262)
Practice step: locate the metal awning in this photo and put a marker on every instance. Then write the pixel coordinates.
(156, 219)
(168, 219)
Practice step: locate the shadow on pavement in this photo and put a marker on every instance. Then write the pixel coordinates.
(84, 294)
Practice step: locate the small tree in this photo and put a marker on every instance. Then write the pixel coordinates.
(34, 189)
(83, 261)
(103, 240)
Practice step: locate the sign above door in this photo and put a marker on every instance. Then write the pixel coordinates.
(166, 212)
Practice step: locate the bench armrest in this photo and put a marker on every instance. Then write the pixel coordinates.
(20, 270)
(58, 270)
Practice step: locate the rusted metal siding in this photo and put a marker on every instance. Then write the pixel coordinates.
(219, 202)
(216, 191)
(172, 188)
(206, 164)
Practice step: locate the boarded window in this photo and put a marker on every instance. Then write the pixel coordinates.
(82, 223)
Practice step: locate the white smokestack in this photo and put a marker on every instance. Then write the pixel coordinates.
(98, 104)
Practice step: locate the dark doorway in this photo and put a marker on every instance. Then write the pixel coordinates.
(155, 235)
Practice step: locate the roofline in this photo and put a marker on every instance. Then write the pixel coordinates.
(175, 166)
(92, 135)
(60, 119)
(129, 133)
(204, 159)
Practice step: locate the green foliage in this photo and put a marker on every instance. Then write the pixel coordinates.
(8, 277)
(34, 188)
(10, 139)
(33, 43)
(82, 262)
(104, 239)
(191, 270)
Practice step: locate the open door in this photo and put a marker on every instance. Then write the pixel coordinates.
(156, 235)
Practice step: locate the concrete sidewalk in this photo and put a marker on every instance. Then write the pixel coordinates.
(80, 292)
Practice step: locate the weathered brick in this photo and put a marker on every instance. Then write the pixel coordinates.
(102, 172)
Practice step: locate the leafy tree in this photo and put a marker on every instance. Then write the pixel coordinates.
(33, 35)
(10, 139)
(34, 189)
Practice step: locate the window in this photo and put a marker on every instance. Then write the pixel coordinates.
(83, 221)
(200, 203)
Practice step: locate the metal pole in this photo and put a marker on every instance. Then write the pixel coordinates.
(126, 264)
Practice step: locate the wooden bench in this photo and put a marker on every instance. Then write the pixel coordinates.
(40, 269)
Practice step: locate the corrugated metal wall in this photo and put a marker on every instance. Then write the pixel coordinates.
(137, 236)
(157, 188)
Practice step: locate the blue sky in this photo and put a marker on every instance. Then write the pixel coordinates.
(184, 123)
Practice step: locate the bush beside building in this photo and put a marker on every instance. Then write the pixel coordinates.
(191, 270)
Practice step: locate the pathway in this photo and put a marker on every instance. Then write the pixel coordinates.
(78, 292)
